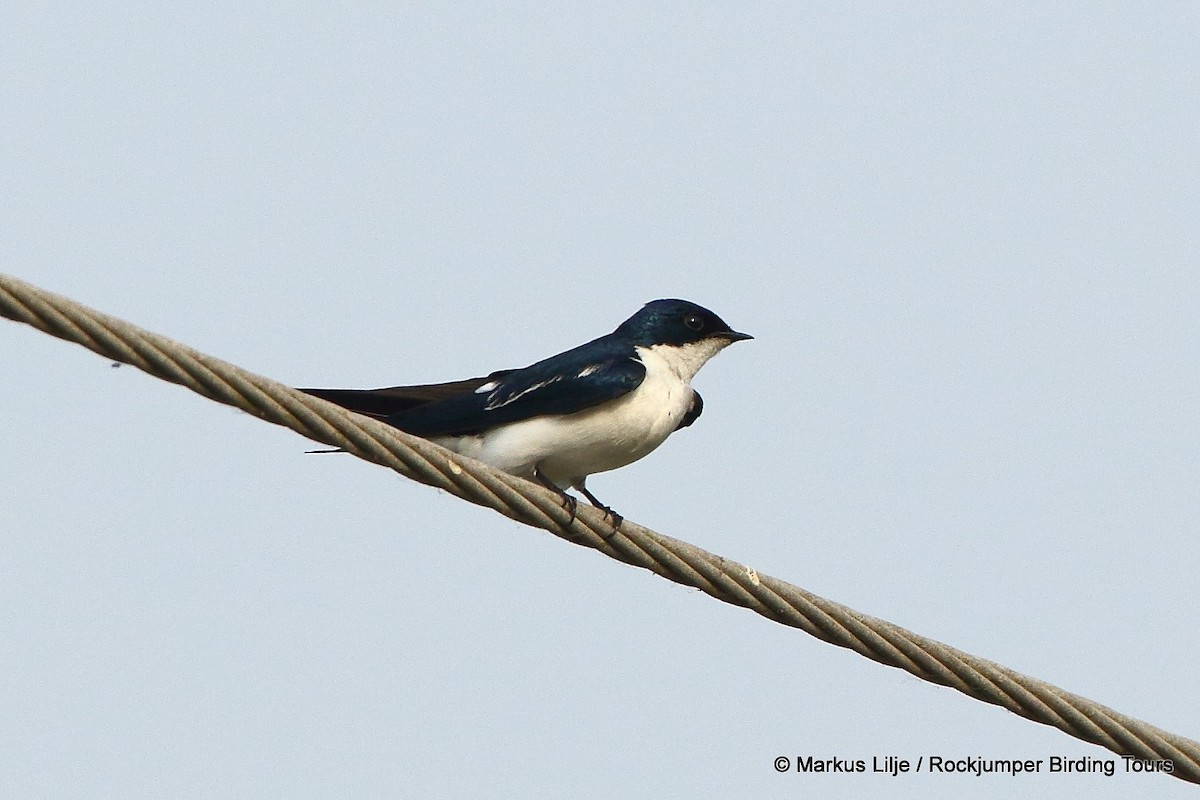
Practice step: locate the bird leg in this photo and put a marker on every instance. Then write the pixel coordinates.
(569, 502)
(608, 512)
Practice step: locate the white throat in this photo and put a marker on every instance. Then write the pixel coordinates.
(683, 360)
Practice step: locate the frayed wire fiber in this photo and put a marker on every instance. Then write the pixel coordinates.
(534, 505)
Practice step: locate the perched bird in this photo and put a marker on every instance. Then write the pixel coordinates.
(595, 407)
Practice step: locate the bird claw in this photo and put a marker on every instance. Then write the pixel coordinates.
(616, 518)
(571, 503)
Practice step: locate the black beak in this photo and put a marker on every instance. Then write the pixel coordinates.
(734, 336)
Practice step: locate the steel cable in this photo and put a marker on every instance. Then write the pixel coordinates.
(534, 505)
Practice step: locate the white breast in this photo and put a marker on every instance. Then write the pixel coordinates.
(568, 448)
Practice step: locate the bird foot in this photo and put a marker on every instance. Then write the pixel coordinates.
(616, 518)
(570, 504)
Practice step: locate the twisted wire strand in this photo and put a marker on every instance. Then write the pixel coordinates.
(534, 505)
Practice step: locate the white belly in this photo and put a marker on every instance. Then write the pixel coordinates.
(566, 449)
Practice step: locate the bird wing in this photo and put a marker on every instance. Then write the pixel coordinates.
(694, 411)
(559, 385)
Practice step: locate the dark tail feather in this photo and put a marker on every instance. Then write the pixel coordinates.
(383, 403)
(377, 403)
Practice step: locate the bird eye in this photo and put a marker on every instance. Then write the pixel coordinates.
(693, 321)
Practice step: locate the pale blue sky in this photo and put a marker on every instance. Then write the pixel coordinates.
(965, 237)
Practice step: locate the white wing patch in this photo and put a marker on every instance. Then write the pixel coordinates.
(492, 405)
(487, 387)
(592, 370)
